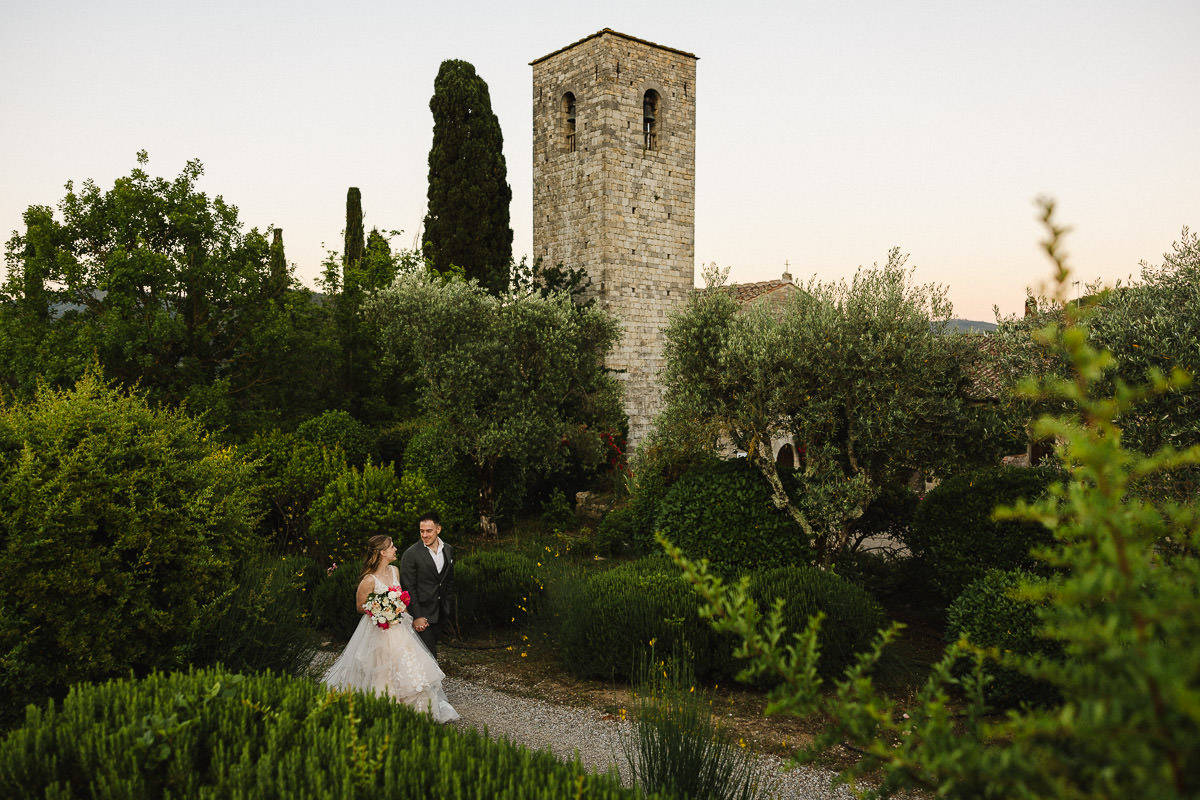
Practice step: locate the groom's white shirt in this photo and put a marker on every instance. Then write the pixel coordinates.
(439, 555)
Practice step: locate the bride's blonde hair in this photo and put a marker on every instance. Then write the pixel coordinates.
(375, 547)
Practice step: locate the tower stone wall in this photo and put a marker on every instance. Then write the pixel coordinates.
(614, 190)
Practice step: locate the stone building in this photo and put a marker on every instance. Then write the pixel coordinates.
(614, 190)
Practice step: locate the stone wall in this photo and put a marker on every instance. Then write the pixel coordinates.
(609, 203)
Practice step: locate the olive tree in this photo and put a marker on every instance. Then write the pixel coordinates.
(863, 376)
(517, 376)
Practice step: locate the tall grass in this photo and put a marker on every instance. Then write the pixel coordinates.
(678, 747)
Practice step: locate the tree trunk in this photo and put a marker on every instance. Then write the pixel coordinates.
(486, 473)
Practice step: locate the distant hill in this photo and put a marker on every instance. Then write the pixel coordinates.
(972, 326)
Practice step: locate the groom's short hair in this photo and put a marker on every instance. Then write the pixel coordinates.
(430, 516)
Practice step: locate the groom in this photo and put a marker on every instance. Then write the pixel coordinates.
(427, 572)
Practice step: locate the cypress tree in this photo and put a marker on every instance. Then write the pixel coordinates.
(277, 274)
(467, 224)
(378, 268)
(353, 251)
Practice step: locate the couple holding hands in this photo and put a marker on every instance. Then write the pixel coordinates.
(401, 660)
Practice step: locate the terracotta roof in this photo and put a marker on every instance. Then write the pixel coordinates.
(614, 33)
(748, 292)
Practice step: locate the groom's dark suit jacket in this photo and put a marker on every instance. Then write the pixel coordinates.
(428, 589)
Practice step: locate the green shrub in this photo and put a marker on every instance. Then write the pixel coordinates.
(614, 617)
(723, 511)
(954, 534)
(852, 617)
(889, 514)
(209, 733)
(896, 581)
(989, 615)
(359, 504)
(292, 472)
(495, 588)
(261, 622)
(333, 609)
(671, 449)
(337, 428)
(556, 512)
(118, 523)
(617, 532)
(450, 472)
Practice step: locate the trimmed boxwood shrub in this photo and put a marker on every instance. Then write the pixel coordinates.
(954, 534)
(989, 616)
(210, 733)
(852, 617)
(495, 588)
(119, 522)
(612, 618)
(723, 511)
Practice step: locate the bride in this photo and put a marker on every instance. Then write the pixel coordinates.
(392, 661)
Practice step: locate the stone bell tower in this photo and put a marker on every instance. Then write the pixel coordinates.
(614, 190)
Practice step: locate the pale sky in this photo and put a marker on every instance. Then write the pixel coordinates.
(827, 132)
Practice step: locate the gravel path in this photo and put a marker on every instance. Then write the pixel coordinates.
(567, 730)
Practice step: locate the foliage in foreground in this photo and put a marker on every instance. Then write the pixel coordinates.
(210, 733)
(1126, 611)
(678, 746)
(119, 524)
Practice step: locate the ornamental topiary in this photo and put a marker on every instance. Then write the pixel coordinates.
(119, 523)
(954, 534)
(852, 617)
(359, 504)
(495, 588)
(723, 511)
(990, 615)
(210, 733)
(615, 617)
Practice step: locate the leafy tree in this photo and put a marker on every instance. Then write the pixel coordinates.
(163, 287)
(1150, 324)
(864, 377)
(517, 377)
(467, 224)
(1125, 612)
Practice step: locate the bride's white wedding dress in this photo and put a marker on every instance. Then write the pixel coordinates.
(394, 662)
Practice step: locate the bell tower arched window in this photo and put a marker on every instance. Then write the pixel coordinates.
(568, 109)
(650, 110)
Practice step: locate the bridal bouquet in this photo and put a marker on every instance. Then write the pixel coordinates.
(385, 608)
